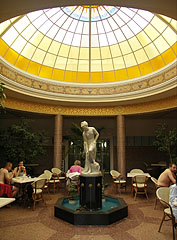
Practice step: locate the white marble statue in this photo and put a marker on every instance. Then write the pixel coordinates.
(90, 136)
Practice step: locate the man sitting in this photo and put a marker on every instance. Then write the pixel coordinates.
(167, 178)
(5, 180)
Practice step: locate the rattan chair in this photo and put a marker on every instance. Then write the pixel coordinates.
(38, 189)
(136, 170)
(139, 185)
(119, 180)
(163, 196)
(154, 180)
(54, 180)
(46, 187)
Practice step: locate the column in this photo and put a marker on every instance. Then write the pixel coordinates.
(57, 160)
(121, 161)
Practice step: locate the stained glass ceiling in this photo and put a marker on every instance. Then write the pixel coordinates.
(61, 43)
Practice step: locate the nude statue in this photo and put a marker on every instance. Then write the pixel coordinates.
(90, 136)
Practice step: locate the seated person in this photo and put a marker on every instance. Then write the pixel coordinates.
(168, 177)
(20, 170)
(173, 198)
(6, 179)
(76, 167)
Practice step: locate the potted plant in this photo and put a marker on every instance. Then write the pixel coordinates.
(73, 192)
(166, 141)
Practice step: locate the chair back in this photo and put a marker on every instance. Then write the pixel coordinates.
(154, 180)
(136, 171)
(163, 193)
(140, 179)
(48, 174)
(115, 174)
(42, 176)
(39, 184)
(56, 171)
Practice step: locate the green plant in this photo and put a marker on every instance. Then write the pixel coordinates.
(73, 192)
(20, 143)
(2, 95)
(166, 141)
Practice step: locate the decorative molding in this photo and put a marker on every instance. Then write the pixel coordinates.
(145, 107)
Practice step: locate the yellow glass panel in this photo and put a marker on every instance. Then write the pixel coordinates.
(158, 23)
(34, 68)
(121, 74)
(19, 44)
(107, 65)
(58, 74)
(151, 32)
(74, 52)
(54, 47)
(83, 77)
(105, 52)
(133, 72)
(38, 56)
(175, 48)
(161, 44)
(11, 56)
(96, 66)
(130, 60)
(115, 50)
(141, 56)
(143, 38)
(96, 77)
(109, 76)
(49, 60)
(84, 53)
(45, 72)
(168, 56)
(28, 51)
(3, 47)
(145, 68)
(45, 43)
(61, 63)
(22, 63)
(173, 37)
(157, 63)
(64, 50)
(36, 38)
(28, 32)
(151, 51)
(134, 43)
(70, 76)
(83, 66)
(72, 64)
(119, 63)
(125, 48)
(95, 53)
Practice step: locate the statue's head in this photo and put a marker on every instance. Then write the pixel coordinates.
(84, 124)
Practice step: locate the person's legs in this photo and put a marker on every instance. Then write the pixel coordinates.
(14, 190)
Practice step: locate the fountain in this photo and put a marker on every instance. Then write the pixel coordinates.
(89, 207)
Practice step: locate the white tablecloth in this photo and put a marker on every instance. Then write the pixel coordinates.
(5, 201)
(23, 180)
(135, 174)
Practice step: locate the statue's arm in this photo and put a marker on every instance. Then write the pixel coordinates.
(85, 143)
(96, 134)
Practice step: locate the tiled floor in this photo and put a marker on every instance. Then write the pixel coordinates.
(19, 223)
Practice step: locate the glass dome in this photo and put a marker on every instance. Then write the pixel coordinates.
(84, 44)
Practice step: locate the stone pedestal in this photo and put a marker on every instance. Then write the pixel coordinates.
(91, 191)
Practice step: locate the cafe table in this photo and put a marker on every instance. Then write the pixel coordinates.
(24, 180)
(5, 201)
(130, 175)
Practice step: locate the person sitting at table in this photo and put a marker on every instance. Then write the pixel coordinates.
(168, 177)
(20, 170)
(76, 167)
(5, 181)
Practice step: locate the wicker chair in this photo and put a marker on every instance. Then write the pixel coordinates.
(38, 189)
(119, 180)
(163, 196)
(154, 180)
(136, 170)
(53, 180)
(46, 187)
(139, 185)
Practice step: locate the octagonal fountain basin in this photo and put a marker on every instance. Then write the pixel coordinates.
(113, 209)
